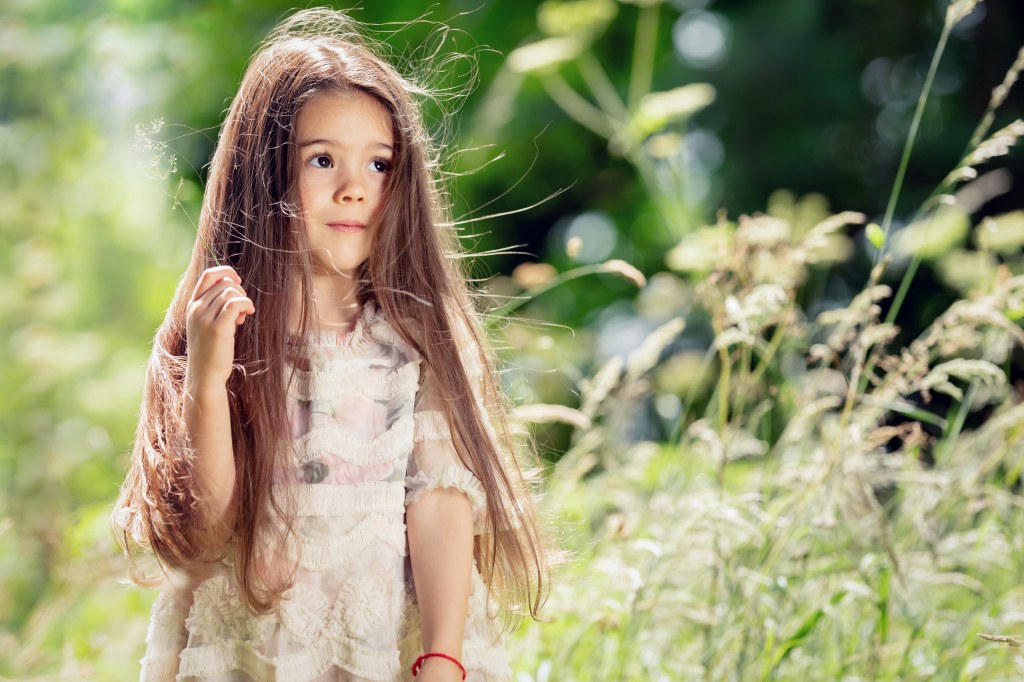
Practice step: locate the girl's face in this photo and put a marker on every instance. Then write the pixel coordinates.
(345, 152)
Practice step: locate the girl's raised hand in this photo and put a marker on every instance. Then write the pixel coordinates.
(219, 305)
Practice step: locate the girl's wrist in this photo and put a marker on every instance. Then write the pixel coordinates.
(434, 661)
(204, 390)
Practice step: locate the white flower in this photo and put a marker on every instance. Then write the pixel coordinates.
(543, 54)
(361, 605)
(304, 612)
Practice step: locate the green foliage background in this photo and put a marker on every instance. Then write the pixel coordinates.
(98, 200)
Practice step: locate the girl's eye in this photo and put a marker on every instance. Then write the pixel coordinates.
(380, 165)
(320, 161)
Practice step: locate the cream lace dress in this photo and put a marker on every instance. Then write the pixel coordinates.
(368, 442)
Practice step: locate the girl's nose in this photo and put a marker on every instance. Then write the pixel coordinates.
(350, 190)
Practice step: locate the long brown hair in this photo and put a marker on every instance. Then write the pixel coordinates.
(249, 220)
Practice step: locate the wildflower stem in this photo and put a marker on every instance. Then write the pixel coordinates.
(691, 396)
(949, 442)
(922, 100)
(853, 388)
(671, 205)
(723, 390)
(610, 119)
(901, 293)
(611, 103)
(601, 85)
(744, 377)
(897, 302)
(562, 278)
(642, 70)
(577, 106)
(766, 358)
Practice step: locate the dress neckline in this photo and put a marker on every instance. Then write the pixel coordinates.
(339, 338)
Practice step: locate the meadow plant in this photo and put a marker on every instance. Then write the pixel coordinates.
(835, 497)
(829, 495)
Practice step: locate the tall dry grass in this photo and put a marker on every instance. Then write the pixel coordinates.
(836, 500)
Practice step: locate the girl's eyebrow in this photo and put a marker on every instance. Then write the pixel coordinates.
(332, 143)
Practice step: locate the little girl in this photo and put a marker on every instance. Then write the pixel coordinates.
(321, 465)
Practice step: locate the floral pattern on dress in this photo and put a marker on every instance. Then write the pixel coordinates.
(304, 612)
(217, 613)
(362, 604)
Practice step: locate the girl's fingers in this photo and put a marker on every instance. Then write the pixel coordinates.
(235, 309)
(211, 277)
(220, 303)
(213, 300)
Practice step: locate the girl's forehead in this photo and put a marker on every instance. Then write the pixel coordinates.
(344, 114)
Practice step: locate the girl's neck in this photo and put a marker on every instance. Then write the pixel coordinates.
(336, 304)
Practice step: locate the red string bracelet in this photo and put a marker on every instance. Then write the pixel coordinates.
(419, 662)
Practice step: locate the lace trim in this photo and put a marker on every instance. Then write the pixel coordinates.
(304, 612)
(304, 665)
(386, 447)
(344, 378)
(338, 500)
(480, 603)
(352, 343)
(324, 555)
(224, 657)
(167, 609)
(450, 476)
(364, 605)
(359, 660)
(386, 334)
(218, 613)
(430, 425)
(158, 669)
(491, 659)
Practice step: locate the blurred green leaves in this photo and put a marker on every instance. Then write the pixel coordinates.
(1003, 234)
(543, 55)
(581, 19)
(658, 109)
(714, 478)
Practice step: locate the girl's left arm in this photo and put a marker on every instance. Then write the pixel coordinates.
(440, 528)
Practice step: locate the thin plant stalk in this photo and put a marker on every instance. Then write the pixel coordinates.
(603, 121)
(723, 391)
(562, 278)
(915, 124)
(642, 70)
(770, 351)
(677, 431)
(604, 91)
(576, 106)
(949, 441)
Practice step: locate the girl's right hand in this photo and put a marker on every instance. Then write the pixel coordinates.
(218, 306)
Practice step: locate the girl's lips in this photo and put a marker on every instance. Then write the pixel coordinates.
(346, 226)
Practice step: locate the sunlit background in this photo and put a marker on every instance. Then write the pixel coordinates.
(663, 349)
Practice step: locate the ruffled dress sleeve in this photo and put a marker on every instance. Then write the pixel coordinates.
(434, 462)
